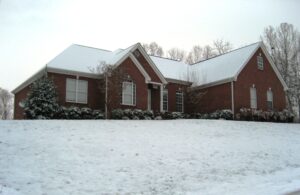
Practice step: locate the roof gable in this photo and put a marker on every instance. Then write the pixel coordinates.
(222, 68)
(82, 59)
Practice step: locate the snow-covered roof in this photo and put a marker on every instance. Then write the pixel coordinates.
(82, 58)
(222, 67)
(171, 69)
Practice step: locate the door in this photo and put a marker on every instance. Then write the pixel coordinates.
(149, 99)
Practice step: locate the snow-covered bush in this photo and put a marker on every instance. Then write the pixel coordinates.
(148, 114)
(248, 114)
(135, 114)
(41, 102)
(172, 115)
(117, 114)
(97, 114)
(218, 114)
(74, 113)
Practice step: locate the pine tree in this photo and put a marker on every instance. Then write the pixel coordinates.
(41, 102)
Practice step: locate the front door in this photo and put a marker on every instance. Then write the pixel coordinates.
(149, 99)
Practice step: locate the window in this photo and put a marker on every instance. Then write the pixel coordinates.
(76, 91)
(260, 63)
(179, 101)
(270, 99)
(253, 98)
(128, 93)
(165, 100)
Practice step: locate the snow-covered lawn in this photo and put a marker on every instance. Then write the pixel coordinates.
(148, 157)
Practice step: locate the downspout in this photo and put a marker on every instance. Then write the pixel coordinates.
(161, 97)
(232, 99)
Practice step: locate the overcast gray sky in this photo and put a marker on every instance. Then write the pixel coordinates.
(33, 32)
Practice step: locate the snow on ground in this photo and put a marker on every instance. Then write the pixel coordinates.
(148, 157)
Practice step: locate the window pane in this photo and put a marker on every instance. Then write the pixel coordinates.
(71, 90)
(128, 93)
(269, 96)
(71, 85)
(71, 96)
(270, 99)
(253, 100)
(82, 86)
(82, 97)
(165, 99)
(179, 102)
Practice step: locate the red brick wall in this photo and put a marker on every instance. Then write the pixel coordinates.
(214, 98)
(95, 96)
(148, 68)
(263, 80)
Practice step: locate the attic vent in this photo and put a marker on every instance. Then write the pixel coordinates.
(136, 53)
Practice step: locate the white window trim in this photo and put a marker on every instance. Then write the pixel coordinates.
(76, 91)
(167, 102)
(182, 103)
(133, 93)
(260, 63)
(253, 107)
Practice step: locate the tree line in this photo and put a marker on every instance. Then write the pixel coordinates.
(196, 54)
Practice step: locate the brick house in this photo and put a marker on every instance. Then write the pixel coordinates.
(245, 77)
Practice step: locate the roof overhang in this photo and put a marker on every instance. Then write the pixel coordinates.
(181, 82)
(73, 73)
(219, 82)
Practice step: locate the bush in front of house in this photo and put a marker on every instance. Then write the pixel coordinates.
(218, 114)
(74, 112)
(132, 114)
(172, 115)
(137, 114)
(248, 114)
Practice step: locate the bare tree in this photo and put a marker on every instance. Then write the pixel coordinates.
(195, 55)
(283, 43)
(222, 46)
(208, 52)
(153, 49)
(193, 99)
(110, 84)
(176, 54)
(6, 104)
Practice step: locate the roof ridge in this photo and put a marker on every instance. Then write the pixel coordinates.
(166, 58)
(226, 52)
(92, 47)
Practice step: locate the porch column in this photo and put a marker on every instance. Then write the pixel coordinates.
(161, 96)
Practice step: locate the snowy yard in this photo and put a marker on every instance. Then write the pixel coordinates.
(148, 157)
